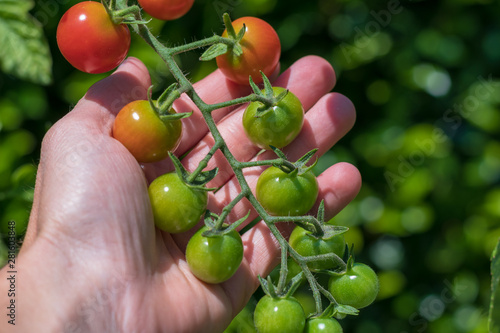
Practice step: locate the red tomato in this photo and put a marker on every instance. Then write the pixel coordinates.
(166, 9)
(261, 52)
(144, 133)
(89, 40)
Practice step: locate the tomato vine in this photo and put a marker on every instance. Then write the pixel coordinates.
(234, 43)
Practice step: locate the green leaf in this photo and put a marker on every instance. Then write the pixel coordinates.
(321, 212)
(333, 230)
(255, 88)
(346, 309)
(200, 180)
(214, 51)
(301, 162)
(494, 316)
(166, 94)
(24, 51)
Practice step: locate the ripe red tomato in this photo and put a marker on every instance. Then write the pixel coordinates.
(261, 52)
(144, 133)
(89, 40)
(166, 9)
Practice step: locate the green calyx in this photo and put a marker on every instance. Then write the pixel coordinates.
(271, 290)
(266, 96)
(163, 105)
(196, 181)
(300, 167)
(216, 226)
(123, 14)
(229, 44)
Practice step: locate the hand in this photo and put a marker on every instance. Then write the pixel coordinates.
(92, 260)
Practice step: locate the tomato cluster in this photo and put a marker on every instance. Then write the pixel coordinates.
(96, 39)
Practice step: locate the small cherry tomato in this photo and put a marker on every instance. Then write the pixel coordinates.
(214, 259)
(286, 194)
(89, 40)
(358, 287)
(283, 315)
(146, 135)
(307, 245)
(323, 325)
(277, 127)
(261, 52)
(166, 9)
(176, 206)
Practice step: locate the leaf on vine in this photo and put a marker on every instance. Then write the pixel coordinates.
(321, 211)
(333, 230)
(494, 315)
(200, 181)
(255, 88)
(346, 309)
(241, 33)
(210, 219)
(214, 51)
(24, 51)
(301, 162)
(268, 87)
(264, 285)
(166, 94)
(294, 284)
(278, 152)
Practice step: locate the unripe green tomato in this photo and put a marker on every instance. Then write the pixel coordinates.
(323, 325)
(286, 194)
(283, 315)
(277, 127)
(307, 245)
(358, 287)
(214, 259)
(176, 206)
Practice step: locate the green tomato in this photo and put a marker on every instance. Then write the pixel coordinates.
(307, 245)
(176, 206)
(323, 325)
(283, 315)
(358, 287)
(279, 126)
(286, 194)
(214, 259)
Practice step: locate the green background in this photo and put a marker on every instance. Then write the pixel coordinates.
(423, 76)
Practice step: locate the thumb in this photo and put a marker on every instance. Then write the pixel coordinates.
(82, 133)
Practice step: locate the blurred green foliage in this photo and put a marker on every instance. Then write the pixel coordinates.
(424, 77)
